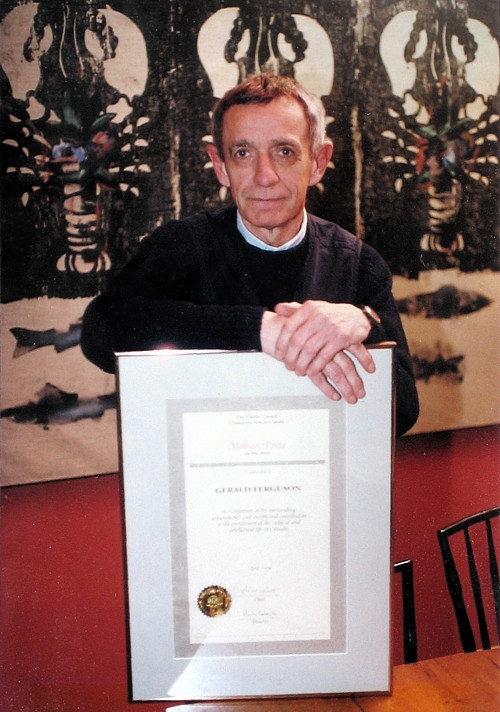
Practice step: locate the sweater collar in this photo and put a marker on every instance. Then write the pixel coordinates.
(256, 242)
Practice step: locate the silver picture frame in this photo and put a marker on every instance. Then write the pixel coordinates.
(257, 528)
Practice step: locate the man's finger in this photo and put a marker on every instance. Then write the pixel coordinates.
(293, 323)
(362, 354)
(287, 308)
(342, 373)
(321, 382)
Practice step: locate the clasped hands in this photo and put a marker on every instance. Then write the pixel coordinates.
(314, 339)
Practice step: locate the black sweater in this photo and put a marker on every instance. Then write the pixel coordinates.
(196, 283)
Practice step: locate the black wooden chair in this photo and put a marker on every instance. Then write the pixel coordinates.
(405, 568)
(470, 527)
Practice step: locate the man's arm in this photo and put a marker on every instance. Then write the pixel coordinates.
(308, 335)
(375, 290)
(163, 299)
(130, 322)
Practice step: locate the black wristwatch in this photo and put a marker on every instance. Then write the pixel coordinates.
(371, 315)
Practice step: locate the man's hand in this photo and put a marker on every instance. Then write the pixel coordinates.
(312, 338)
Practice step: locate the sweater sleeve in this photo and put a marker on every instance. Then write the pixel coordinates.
(375, 290)
(157, 301)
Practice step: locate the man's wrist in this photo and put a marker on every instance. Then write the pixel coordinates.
(371, 315)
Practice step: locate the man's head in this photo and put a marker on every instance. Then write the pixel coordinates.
(262, 89)
(270, 148)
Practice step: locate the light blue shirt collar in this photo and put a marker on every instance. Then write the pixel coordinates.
(256, 242)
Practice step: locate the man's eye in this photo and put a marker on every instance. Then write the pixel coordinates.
(286, 151)
(241, 153)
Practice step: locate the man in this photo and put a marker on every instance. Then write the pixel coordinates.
(263, 274)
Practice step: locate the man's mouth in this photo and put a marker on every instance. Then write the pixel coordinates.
(267, 199)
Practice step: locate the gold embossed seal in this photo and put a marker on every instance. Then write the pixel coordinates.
(214, 601)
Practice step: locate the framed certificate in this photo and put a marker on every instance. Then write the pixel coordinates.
(257, 528)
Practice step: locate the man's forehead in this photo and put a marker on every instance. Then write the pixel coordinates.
(285, 120)
(278, 140)
(280, 104)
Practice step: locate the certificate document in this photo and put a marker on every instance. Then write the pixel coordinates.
(257, 528)
(256, 491)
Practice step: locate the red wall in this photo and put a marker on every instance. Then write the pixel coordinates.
(439, 478)
(62, 619)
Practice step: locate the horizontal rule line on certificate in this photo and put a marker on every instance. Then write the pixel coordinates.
(257, 464)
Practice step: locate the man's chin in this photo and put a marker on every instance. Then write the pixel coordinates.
(267, 217)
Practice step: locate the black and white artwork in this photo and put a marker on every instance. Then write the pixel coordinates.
(105, 116)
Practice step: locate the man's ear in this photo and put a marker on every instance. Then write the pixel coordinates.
(320, 162)
(218, 164)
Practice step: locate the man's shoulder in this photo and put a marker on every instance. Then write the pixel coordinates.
(199, 226)
(332, 235)
(221, 219)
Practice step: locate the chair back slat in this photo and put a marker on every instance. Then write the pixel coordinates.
(476, 591)
(495, 581)
(410, 645)
(455, 585)
(457, 595)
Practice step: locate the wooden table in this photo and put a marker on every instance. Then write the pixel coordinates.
(458, 683)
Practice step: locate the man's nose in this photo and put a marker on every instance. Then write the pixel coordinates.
(265, 170)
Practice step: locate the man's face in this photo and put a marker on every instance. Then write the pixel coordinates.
(268, 166)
